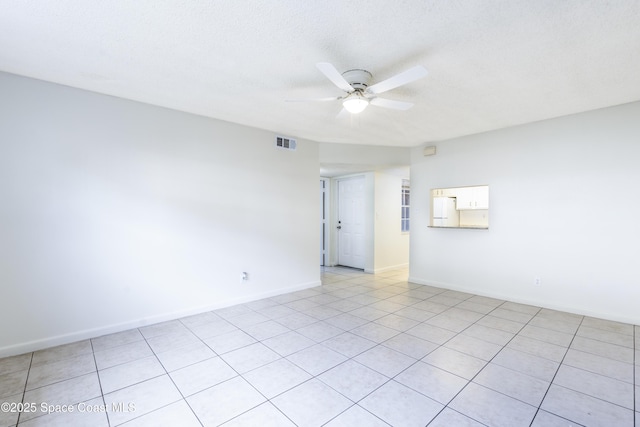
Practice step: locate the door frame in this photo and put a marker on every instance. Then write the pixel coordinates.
(326, 211)
(369, 218)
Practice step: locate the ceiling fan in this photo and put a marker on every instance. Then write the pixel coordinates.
(359, 94)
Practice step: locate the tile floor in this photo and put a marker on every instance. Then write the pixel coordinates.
(361, 350)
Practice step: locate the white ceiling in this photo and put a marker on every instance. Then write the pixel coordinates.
(492, 64)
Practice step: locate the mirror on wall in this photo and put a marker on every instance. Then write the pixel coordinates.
(460, 207)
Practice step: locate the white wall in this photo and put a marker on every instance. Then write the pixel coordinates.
(114, 214)
(372, 156)
(391, 245)
(564, 206)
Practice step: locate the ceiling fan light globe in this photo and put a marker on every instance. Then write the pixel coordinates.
(355, 105)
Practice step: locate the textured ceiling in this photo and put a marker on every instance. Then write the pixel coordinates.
(491, 64)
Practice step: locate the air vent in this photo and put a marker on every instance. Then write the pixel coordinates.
(286, 143)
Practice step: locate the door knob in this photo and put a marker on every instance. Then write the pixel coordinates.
(339, 227)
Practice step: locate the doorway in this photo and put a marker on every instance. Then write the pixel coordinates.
(350, 222)
(323, 222)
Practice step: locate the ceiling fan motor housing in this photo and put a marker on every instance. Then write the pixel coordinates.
(358, 79)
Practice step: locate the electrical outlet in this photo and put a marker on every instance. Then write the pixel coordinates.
(536, 281)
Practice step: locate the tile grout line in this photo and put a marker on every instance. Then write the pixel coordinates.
(141, 381)
(486, 364)
(515, 335)
(238, 374)
(248, 382)
(24, 391)
(93, 353)
(438, 346)
(442, 345)
(315, 377)
(417, 360)
(575, 334)
(352, 358)
(560, 364)
(170, 378)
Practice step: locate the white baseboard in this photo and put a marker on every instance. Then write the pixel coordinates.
(35, 345)
(537, 303)
(391, 267)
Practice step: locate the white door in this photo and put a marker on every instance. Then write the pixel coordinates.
(351, 222)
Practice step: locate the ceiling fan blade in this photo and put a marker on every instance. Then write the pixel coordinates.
(408, 76)
(389, 103)
(336, 78)
(332, 98)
